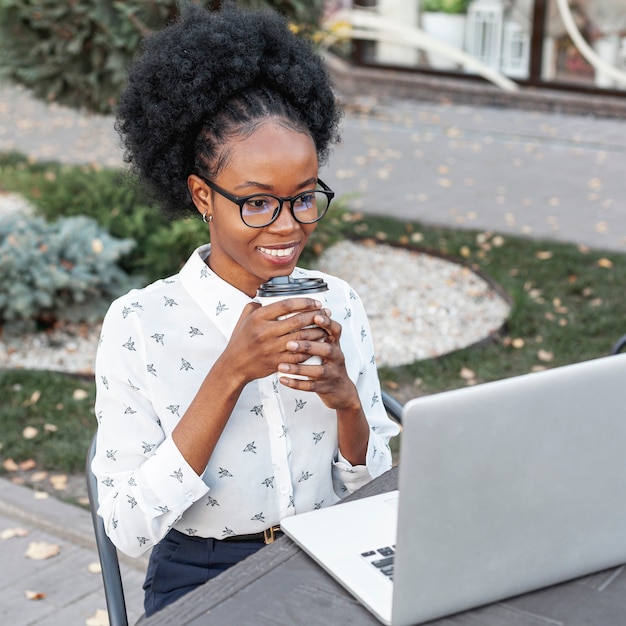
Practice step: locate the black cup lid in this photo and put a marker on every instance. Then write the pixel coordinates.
(283, 285)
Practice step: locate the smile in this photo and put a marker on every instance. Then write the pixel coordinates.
(278, 252)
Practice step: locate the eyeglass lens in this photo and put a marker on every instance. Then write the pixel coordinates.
(308, 207)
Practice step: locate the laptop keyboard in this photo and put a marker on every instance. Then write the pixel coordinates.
(382, 559)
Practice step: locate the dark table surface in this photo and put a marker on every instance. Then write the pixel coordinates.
(281, 586)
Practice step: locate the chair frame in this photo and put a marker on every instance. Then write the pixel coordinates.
(619, 345)
(109, 561)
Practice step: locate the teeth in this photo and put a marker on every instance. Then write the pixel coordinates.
(278, 251)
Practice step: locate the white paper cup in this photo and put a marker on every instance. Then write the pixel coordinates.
(284, 287)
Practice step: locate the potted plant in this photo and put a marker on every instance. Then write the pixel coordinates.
(445, 20)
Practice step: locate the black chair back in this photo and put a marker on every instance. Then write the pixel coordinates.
(111, 575)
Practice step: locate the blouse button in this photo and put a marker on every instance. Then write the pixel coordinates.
(284, 489)
(189, 496)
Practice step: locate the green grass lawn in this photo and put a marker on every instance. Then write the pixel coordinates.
(567, 306)
(45, 417)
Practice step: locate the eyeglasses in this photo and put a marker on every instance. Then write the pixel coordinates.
(261, 209)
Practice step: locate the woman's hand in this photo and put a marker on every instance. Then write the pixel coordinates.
(330, 379)
(259, 341)
(331, 382)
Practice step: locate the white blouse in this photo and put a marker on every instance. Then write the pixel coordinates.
(278, 454)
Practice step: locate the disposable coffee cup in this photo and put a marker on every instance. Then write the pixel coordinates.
(283, 287)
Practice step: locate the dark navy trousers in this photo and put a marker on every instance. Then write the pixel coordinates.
(179, 563)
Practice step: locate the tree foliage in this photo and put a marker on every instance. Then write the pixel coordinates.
(76, 52)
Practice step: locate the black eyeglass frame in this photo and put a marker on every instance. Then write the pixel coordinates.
(241, 200)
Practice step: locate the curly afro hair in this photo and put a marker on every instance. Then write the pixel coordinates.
(211, 76)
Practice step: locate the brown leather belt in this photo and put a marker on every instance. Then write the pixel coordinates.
(269, 535)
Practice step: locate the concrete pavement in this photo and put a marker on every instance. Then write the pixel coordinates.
(72, 592)
(542, 175)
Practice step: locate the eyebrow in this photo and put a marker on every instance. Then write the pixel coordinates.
(253, 183)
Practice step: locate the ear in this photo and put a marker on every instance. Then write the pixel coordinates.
(199, 194)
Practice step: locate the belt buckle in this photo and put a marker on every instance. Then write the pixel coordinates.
(269, 534)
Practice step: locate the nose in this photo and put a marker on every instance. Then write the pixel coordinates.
(285, 222)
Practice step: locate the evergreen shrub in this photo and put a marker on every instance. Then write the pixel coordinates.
(61, 270)
(77, 52)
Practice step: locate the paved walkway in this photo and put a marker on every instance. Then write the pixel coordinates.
(72, 593)
(518, 172)
(543, 175)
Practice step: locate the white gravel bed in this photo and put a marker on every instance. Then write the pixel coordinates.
(68, 348)
(419, 306)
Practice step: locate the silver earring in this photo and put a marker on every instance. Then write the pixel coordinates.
(204, 218)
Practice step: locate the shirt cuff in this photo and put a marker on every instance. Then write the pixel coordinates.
(352, 476)
(171, 481)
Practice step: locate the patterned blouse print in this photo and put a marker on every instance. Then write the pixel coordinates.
(278, 454)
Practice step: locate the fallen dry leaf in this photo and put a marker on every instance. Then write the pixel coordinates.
(59, 481)
(97, 246)
(101, 618)
(10, 533)
(545, 356)
(51, 428)
(34, 398)
(30, 432)
(28, 465)
(10, 465)
(41, 495)
(606, 263)
(38, 477)
(80, 394)
(517, 343)
(34, 595)
(467, 374)
(544, 255)
(39, 550)
(94, 568)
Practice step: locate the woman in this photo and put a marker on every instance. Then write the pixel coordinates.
(203, 444)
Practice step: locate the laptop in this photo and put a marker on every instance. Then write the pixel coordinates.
(504, 487)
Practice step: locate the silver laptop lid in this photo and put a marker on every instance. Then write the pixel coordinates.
(510, 486)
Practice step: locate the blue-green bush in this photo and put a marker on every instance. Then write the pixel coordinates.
(61, 270)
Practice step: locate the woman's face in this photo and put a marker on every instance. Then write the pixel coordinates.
(274, 160)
